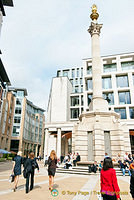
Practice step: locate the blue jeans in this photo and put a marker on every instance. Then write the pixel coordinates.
(124, 170)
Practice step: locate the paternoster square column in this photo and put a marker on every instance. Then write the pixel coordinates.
(97, 103)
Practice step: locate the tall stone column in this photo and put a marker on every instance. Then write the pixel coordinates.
(59, 143)
(46, 142)
(97, 103)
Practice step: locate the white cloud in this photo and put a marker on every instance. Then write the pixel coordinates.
(38, 37)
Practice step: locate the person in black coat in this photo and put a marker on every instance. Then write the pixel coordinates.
(132, 185)
(29, 166)
(77, 159)
(52, 164)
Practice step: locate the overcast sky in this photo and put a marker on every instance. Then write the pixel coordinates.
(40, 36)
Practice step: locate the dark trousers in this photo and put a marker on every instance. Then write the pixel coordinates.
(27, 181)
(74, 162)
(108, 197)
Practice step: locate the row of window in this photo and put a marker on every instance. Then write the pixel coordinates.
(113, 67)
(121, 81)
(122, 111)
(71, 73)
(124, 98)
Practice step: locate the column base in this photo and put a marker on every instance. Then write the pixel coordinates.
(98, 104)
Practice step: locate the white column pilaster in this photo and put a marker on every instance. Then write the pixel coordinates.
(46, 142)
(58, 143)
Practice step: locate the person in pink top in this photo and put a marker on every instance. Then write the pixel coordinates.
(109, 186)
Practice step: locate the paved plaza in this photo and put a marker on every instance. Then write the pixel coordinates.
(73, 187)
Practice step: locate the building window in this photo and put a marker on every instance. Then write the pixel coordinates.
(77, 72)
(81, 72)
(109, 67)
(17, 110)
(109, 97)
(106, 83)
(89, 84)
(82, 101)
(127, 65)
(89, 98)
(124, 98)
(17, 119)
(75, 101)
(71, 81)
(14, 145)
(16, 130)
(74, 113)
(73, 73)
(76, 89)
(122, 81)
(20, 93)
(81, 88)
(76, 81)
(58, 73)
(89, 69)
(131, 112)
(18, 101)
(81, 81)
(65, 73)
(122, 112)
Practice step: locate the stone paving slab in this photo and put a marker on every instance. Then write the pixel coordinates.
(69, 187)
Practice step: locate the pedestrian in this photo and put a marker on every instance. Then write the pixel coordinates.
(109, 186)
(131, 167)
(29, 167)
(16, 170)
(52, 164)
(124, 168)
(100, 166)
(78, 158)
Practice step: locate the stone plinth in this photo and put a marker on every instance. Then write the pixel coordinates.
(98, 133)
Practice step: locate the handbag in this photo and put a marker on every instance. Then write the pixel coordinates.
(25, 173)
(11, 178)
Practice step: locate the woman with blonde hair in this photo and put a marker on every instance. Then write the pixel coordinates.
(52, 164)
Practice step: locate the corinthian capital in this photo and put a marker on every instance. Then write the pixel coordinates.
(94, 28)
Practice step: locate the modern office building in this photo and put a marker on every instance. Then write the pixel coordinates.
(71, 93)
(22, 127)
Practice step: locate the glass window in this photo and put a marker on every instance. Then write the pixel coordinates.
(122, 112)
(17, 110)
(16, 130)
(17, 119)
(109, 97)
(75, 101)
(77, 72)
(89, 69)
(131, 112)
(74, 113)
(71, 81)
(76, 89)
(127, 65)
(58, 73)
(89, 84)
(82, 101)
(73, 73)
(106, 83)
(122, 81)
(109, 67)
(124, 98)
(81, 72)
(81, 88)
(81, 81)
(76, 81)
(20, 93)
(65, 73)
(18, 101)
(89, 98)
